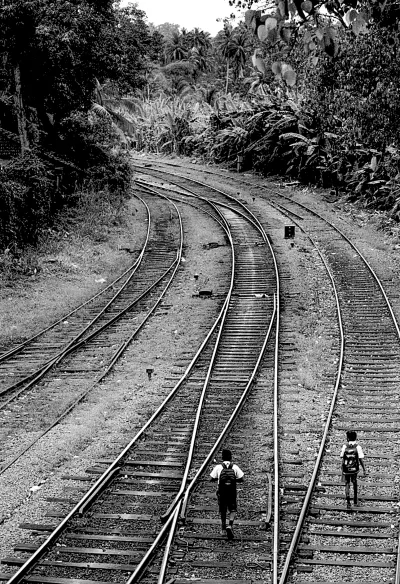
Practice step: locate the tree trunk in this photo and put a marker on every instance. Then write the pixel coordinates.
(20, 110)
(227, 77)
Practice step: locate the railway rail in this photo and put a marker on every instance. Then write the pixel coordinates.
(303, 535)
(93, 351)
(330, 542)
(216, 393)
(45, 345)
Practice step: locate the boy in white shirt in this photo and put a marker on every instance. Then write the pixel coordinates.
(227, 474)
(352, 457)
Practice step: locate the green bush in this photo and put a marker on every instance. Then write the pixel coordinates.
(356, 97)
(36, 185)
(28, 197)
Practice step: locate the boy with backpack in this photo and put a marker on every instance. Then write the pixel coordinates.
(227, 474)
(352, 456)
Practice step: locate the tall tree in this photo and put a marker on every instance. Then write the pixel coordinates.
(177, 48)
(54, 52)
(200, 40)
(239, 50)
(18, 21)
(223, 42)
(138, 48)
(167, 29)
(234, 45)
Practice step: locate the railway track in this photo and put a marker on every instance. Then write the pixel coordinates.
(92, 352)
(306, 535)
(25, 359)
(187, 429)
(330, 543)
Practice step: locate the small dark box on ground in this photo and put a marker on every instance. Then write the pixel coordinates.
(289, 231)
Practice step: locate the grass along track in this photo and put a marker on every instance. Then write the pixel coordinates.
(80, 370)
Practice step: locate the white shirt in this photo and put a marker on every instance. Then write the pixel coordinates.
(217, 470)
(359, 450)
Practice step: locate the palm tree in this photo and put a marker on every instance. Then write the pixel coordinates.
(234, 45)
(223, 43)
(198, 60)
(200, 40)
(239, 50)
(176, 49)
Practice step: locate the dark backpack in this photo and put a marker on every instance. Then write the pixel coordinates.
(227, 479)
(350, 464)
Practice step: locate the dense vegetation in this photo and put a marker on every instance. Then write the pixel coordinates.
(306, 89)
(309, 90)
(56, 58)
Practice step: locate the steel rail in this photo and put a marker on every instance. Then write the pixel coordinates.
(168, 546)
(397, 575)
(195, 181)
(118, 353)
(179, 494)
(317, 465)
(32, 561)
(57, 360)
(176, 502)
(276, 534)
(180, 513)
(394, 319)
(171, 516)
(161, 535)
(373, 273)
(370, 268)
(116, 356)
(388, 303)
(21, 346)
(276, 525)
(106, 477)
(39, 374)
(201, 402)
(231, 419)
(74, 342)
(143, 186)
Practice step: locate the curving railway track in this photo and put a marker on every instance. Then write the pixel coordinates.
(188, 428)
(330, 543)
(152, 515)
(99, 338)
(25, 360)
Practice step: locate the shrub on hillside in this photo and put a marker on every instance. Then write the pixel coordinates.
(36, 185)
(27, 199)
(357, 98)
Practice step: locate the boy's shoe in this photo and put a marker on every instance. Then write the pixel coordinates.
(229, 533)
(223, 531)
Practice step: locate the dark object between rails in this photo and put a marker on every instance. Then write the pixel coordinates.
(289, 231)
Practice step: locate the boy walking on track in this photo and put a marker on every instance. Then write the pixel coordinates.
(352, 457)
(227, 474)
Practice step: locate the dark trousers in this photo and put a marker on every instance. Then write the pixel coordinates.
(353, 479)
(226, 504)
